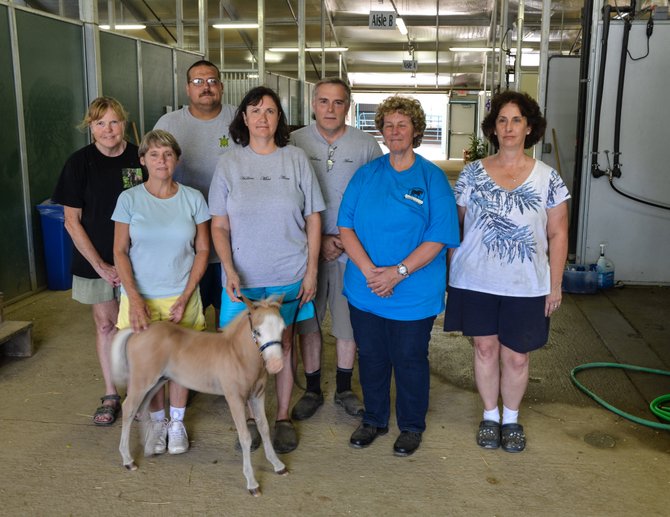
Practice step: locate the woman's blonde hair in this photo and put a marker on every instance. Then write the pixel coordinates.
(99, 107)
(158, 138)
(405, 106)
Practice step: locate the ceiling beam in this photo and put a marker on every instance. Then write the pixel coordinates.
(244, 36)
(139, 15)
(393, 68)
(357, 20)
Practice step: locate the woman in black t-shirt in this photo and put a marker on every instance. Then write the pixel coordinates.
(91, 180)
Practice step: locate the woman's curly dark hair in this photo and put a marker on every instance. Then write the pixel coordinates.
(239, 130)
(528, 108)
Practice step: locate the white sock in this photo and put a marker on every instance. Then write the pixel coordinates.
(492, 414)
(158, 416)
(177, 413)
(509, 416)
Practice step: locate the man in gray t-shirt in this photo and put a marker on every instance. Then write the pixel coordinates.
(336, 151)
(201, 129)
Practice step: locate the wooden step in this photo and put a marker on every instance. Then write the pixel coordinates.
(16, 338)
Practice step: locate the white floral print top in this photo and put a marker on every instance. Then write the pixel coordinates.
(504, 248)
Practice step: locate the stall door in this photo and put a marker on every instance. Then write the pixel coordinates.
(462, 125)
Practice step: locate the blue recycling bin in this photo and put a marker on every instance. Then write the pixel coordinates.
(57, 246)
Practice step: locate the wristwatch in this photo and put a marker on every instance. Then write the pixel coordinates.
(402, 270)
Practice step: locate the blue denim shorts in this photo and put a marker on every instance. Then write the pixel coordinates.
(230, 309)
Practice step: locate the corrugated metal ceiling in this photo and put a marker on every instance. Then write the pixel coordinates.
(374, 57)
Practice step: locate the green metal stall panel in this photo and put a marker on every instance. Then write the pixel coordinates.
(184, 62)
(120, 76)
(14, 258)
(157, 78)
(54, 102)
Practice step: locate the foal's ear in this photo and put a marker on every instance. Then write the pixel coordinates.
(247, 302)
(276, 299)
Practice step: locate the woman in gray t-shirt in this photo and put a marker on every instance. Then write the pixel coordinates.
(266, 227)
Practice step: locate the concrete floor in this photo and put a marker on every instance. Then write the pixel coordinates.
(581, 459)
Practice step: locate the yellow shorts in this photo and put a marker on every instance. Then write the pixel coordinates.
(160, 311)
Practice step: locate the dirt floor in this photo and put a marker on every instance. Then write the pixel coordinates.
(581, 459)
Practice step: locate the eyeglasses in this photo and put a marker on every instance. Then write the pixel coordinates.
(330, 162)
(211, 81)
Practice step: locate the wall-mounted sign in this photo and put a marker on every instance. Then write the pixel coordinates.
(409, 65)
(382, 20)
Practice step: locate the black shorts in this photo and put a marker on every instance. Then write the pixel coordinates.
(519, 322)
(210, 286)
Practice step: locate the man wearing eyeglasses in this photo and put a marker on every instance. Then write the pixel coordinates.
(336, 151)
(201, 129)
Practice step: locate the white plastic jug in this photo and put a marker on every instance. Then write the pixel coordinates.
(605, 269)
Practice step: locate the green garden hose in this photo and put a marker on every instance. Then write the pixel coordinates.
(658, 406)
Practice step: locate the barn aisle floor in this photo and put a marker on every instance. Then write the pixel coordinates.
(581, 459)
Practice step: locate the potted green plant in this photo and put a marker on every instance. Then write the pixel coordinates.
(477, 149)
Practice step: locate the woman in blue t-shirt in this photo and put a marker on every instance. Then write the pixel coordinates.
(397, 219)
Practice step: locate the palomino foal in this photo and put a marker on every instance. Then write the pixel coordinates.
(230, 363)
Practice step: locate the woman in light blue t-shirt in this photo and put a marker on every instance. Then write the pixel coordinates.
(161, 247)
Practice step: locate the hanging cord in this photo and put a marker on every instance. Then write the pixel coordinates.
(596, 171)
(639, 200)
(615, 170)
(610, 172)
(657, 405)
(649, 31)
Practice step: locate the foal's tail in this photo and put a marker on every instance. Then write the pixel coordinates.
(119, 358)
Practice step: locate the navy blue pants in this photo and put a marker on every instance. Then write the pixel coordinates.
(388, 346)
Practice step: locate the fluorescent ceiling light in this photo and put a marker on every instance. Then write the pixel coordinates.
(400, 23)
(236, 25)
(472, 49)
(401, 79)
(125, 27)
(486, 49)
(309, 49)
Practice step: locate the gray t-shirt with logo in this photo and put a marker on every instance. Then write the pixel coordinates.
(347, 154)
(266, 198)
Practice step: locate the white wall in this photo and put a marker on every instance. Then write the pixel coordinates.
(637, 236)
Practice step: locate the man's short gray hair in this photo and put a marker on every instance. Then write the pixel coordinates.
(333, 80)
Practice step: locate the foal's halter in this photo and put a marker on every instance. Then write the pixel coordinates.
(255, 333)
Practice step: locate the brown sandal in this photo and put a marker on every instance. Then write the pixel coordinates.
(110, 411)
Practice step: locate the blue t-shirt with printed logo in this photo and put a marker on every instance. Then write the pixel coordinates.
(392, 213)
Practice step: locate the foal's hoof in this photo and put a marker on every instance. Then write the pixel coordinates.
(283, 472)
(131, 466)
(256, 492)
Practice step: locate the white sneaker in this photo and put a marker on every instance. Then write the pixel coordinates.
(177, 437)
(155, 438)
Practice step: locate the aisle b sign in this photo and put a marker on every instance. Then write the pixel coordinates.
(382, 20)
(410, 65)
